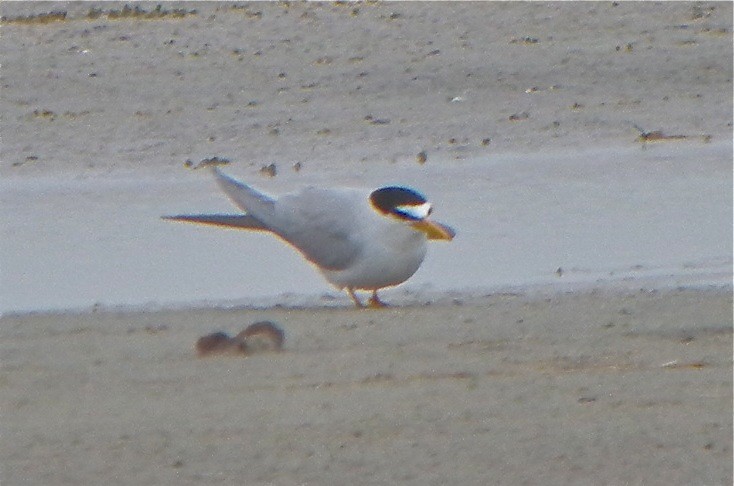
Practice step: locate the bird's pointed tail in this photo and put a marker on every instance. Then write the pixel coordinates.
(258, 207)
(253, 202)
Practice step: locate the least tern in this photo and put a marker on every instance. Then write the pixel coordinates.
(358, 239)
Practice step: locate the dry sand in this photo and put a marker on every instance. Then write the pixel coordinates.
(319, 84)
(590, 388)
(597, 386)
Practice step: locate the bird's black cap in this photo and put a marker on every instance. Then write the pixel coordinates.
(390, 200)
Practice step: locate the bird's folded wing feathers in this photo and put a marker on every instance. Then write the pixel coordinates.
(320, 224)
(239, 221)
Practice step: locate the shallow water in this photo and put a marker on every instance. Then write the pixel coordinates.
(602, 215)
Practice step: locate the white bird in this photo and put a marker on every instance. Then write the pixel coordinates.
(358, 239)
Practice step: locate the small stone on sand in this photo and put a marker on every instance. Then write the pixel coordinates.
(218, 343)
(261, 336)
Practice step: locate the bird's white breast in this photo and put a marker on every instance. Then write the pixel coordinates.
(391, 252)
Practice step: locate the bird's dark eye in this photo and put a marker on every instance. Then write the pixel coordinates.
(400, 201)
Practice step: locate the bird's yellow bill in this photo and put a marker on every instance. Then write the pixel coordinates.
(434, 230)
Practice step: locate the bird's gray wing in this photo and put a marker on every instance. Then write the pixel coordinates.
(322, 224)
(239, 221)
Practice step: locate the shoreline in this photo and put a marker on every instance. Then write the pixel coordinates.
(398, 298)
(580, 149)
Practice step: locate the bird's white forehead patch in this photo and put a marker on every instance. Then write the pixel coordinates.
(416, 211)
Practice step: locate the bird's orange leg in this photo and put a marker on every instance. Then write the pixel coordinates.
(375, 302)
(354, 297)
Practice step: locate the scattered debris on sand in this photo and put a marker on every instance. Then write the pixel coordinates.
(260, 337)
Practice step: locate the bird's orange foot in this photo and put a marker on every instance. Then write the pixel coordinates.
(375, 302)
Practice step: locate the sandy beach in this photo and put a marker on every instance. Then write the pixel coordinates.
(577, 331)
(630, 388)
